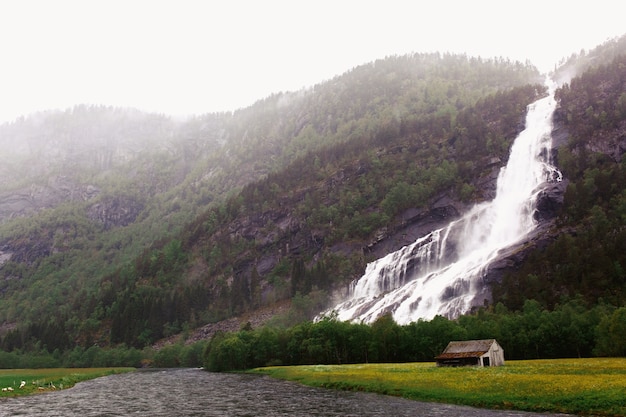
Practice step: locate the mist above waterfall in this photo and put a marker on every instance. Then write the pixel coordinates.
(441, 273)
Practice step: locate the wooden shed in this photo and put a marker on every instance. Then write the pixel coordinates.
(472, 353)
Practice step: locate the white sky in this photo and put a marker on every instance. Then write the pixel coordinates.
(183, 57)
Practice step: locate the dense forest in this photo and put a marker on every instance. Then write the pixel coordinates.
(289, 199)
(570, 330)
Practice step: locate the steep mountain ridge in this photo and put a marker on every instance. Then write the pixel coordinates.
(290, 197)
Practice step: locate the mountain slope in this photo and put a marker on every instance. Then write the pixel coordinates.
(231, 212)
(586, 258)
(134, 279)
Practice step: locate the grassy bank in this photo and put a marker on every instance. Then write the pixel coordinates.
(576, 386)
(41, 380)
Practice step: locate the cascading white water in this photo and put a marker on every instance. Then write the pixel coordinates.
(440, 273)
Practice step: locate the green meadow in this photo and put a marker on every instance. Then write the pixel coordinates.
(575, 386)
(41, 380)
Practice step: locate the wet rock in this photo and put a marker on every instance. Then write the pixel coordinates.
(115, 211)
(36, 197)
(550, 201)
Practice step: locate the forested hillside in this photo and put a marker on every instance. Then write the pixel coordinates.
(588, 257)
(159, 239)
(567, 296)
(127, 228)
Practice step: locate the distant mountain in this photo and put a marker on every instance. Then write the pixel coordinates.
(124, 227)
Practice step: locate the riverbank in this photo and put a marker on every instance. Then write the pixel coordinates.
(573, 386)
(42, 380)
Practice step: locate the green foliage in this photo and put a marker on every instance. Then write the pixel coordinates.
(570, 330)
(175, 355)
(589, 256)
(228, 352)
(168, 357)
(611, 334)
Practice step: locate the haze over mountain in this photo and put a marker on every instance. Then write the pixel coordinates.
(120, 227)
(196, 57)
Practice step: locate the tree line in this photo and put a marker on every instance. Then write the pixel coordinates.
(570, 330)
(170, 356)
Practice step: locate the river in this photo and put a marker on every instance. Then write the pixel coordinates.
(193, 392)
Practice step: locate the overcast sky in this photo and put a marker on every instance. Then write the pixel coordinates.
(184, 57)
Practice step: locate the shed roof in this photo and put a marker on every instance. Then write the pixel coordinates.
(466, 349)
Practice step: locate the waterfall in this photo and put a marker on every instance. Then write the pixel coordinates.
(441, 273)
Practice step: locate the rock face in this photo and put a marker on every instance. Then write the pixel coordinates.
(29, 200)
(45, 158)
(233, 324)
(115, 211)
(550, 200)
(417, 223)
(414, 224)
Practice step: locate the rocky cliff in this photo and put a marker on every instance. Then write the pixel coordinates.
(26, 201)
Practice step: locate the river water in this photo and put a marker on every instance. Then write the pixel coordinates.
(193, 392)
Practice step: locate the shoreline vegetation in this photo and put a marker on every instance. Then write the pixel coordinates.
(50, 379)
(586, 387)
(594, 386)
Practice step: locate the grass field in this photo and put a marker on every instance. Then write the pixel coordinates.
(41, 380)
(576, 386)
